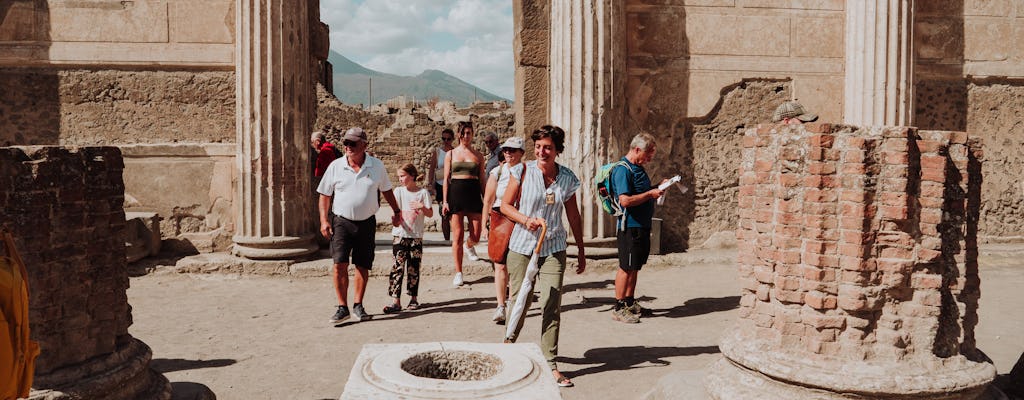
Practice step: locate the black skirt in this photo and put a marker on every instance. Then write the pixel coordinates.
(464, 196)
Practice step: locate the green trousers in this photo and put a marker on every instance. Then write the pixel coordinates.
(549, 284)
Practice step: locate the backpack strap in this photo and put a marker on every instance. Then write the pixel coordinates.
(622, 219)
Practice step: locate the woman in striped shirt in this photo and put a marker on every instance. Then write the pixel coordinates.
(545, 190)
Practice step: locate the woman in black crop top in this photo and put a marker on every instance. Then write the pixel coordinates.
(463, 195)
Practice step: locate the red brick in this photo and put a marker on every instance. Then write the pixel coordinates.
(788, 296)
(822, 140)
(853, 169)
(894, 144)
(932, 189)
(820, 321)
(892, 184)
(853, 237)
(853, 157)
(820, 301)
(817, 246)
(898, 253)
(764, 216)
(820, 221)
(857, 196)
(787, 205)
(958, 137)
(930, 146)
(763, 165)
(893, 212)
(933, 162)
(791, 154)
(820, 208)
(893, 265)
(931, 216)
(818, 127)
(855, 142)
(749, 141)
(856, 264)
(894, 199)
(933, 175)
(925, 281)
(789, 218)
(851, 250)
(855, 277)
(787, 282)
(788, 270)
(928, 255)
(849, 304)
(930, 202)
(812, 273)
(929, 229)
(762, 292)
(789, 256)
(895, 157)
(854, 223)
(848, 209)
(821, 196)
(927, 297)
(894, 238)
(789, 180)
(819, 260)
(820, 168)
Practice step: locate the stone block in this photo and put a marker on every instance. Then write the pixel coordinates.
(830, 5)
(201, 21)
(140, 21)
(747, 35)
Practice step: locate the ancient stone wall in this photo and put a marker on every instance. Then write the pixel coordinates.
(94, 107)
(408, 135)
(858, 262)
(64, 208)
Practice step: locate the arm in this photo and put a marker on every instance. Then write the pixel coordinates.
(431, 166)
(510, 211)
(483, 175)
(572, 213)
(630, 201)
(389, 195)
(424, 205)
(325, 226)
(447, 177)
(622, 185)
(490, 192)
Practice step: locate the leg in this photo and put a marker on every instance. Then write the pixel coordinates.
(412, 267)
(475, 226)
(457, 233)
(630, 283)
(361, 276)
(621, 283)
(549, 282)
(501, 282)
(516, 273)
(400, 254)
(340, 274)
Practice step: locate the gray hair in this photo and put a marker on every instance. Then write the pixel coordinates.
(644, 141)
(318, 135)
(490, 136)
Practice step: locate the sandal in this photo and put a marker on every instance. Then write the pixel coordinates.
(563, 381)
(413, 305)
(393, 308)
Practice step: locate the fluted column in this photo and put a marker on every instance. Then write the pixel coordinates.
(879, 63)
(274, 103)
(587, 78)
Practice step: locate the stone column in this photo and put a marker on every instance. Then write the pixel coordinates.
(274, 102)
(858, 264)
(879, 85)
(587, 75)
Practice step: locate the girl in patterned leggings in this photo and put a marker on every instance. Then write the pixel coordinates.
(408, 238)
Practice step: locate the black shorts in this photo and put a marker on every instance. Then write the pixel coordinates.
(464, 196)
(438, 194)
(355, 239)
(634, 248)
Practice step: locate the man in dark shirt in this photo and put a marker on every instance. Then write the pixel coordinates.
(631, 187)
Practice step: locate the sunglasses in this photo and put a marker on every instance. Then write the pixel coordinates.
(510, 150)
(447, 139)
(349, 143)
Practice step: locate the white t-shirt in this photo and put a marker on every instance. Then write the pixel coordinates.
(501, 172)
(412, 220)
(355, 194)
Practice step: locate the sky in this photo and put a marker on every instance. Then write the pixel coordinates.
(468, 39)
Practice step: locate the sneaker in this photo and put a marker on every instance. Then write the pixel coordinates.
(457, 281)
(340, 316)
(639, 311)
(471, 252)
(624, 315)
(499, 315)
(360, 312)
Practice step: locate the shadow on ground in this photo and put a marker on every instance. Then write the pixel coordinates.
(165, 365)
(624, 358)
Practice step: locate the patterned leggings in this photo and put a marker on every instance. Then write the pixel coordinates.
(408, 253)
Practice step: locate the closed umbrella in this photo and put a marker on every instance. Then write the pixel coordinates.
(527, 287)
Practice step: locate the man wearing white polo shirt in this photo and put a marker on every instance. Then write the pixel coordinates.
(353, 182)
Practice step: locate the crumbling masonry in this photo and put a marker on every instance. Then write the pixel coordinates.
(858, 263)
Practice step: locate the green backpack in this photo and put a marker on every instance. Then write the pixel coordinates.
(602, 181)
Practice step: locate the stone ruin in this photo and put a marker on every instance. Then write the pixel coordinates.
(64, 207)
(858, 260)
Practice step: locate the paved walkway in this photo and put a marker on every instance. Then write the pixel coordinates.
(267, 337)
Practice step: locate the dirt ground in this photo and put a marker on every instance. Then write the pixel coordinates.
(268, 337)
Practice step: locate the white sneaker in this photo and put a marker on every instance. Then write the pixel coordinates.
(471, 253)
(499, 315)
(458, 279)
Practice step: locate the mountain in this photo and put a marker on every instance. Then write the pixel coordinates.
(352, 84)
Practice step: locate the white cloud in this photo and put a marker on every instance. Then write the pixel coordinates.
(469, 39)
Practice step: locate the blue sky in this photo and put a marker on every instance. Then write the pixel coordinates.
(469, 39)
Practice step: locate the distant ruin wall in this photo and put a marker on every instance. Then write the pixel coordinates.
(408, 135)
(64, 209)
(107, 106)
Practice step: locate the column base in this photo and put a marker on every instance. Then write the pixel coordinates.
(123, 374)
(754, 368)
(274, 247)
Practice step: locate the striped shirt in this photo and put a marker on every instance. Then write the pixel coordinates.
(533, 205)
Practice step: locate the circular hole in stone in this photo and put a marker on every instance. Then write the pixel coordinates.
(453, 365)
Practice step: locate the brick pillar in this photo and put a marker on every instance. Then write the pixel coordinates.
(858, 263)
(587, 79)
(274, 106)
(64, 207)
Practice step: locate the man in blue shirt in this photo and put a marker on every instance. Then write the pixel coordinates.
(631, 187)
